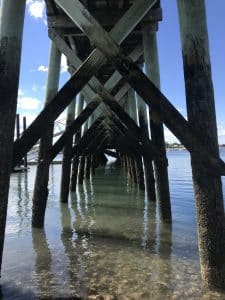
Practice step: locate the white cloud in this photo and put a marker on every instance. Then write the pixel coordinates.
(28, 103)
(34, 88)
(64, 66)
(20, 93)
(36, 8)
(42, 68)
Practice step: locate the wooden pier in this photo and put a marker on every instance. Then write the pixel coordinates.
(106, 44)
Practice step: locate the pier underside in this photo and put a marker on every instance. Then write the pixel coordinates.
(111, 50)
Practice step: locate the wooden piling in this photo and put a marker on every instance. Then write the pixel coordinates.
(88, 167)
(131, 109)
(81, 169)
(66, 160)
(137, 160)
(17, 126)
(156, 127)
(18, 131)
(201, 116)
(75, 161)
(148, 167)
(40, 194)
(24, 128)
(80, 174)
(88, 157)
(11, 32)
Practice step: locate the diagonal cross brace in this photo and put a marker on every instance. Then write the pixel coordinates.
(94, 85)
(158, 103)
(90, 66)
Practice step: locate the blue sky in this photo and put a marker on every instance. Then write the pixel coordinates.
(36, 49)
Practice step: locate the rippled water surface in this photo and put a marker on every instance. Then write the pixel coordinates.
(107, 241)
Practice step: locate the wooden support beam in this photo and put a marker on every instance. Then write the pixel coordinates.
(202, 118)
(75, 163)
(130, 108)
(162, 109)
(66, 159)
(17, 126)
(78, 80)
(148, 167)
(40, 194)
(156, 127)
(11, 32)
(87, 170)
(88, 167)
(106, 19)
(24, 128)
(81, 169)
(18, 131)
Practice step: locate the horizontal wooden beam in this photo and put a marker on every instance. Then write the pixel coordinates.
(106, 18)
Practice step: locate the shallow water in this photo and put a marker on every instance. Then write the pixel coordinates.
(107, 241)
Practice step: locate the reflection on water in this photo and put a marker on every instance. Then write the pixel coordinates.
(107, 241)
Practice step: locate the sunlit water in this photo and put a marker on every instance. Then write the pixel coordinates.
(107, 241)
